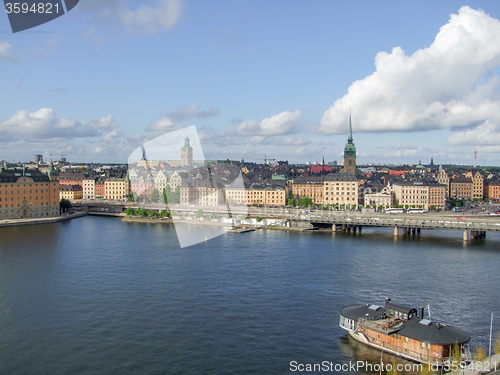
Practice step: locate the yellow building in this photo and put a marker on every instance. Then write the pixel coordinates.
(26, 193)
(312, 187)
(419, 194)
(70, 192)
(341, 189)
(115, 188)
(477, 186)
(260, 195)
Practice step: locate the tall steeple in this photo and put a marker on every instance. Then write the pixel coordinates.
(350, 152)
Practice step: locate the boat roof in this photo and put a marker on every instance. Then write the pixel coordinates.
(362, 311)
(400, 308)
(424, 330)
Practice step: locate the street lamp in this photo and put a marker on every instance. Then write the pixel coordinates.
(381, 363)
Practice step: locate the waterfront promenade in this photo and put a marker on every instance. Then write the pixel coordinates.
(40, 220)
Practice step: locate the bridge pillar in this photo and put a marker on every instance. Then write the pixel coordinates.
(344, 227)
(466, 235)
(354, 228)
(396, 231)
(334, 227)
(360, 227)
(418, 230)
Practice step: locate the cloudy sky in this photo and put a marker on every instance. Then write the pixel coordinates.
(258, 78)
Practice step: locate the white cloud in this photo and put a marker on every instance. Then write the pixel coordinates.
(43, 125)
(402, 153)
(5, 51)
(484, 134)
(283, 123)
(145, 19)
(168, 122)
(436, 87)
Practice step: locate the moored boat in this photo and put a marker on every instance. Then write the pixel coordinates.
(404, 331)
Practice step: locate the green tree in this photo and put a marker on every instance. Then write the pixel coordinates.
(129, 211)
(90, 170)
(152, 213)
(64, 205)
(242, 218)
(353, 207)
(165, 214)
(305, 201)
(176, 195)
(291, 200)
(213, 216)
(199, 213)
(155, 195)
(432, 207)
(258, 219)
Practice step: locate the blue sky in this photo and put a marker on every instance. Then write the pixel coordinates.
(257, 78)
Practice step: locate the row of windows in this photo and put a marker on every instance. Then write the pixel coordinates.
(24, 185)
(19, 198)
(19, 205)
(24, 191)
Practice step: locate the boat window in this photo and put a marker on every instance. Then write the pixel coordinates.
(428, 346)
(406, 339)
(423, 345)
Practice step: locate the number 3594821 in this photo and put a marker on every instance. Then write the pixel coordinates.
(33, 8)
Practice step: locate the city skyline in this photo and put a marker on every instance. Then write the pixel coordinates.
(257, 79)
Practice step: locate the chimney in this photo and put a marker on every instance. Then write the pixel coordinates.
(421, 312)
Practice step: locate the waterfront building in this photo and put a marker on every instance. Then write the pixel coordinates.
(349, 153)
(142, 186)
(176, 179)
(115, 188)
(477, 186)
(71, 177)
(461, 188)
(89, 188)
(444, 179)
(257, 194)
(418, 194)
(201, 193)
(27, 193)
(100, 187)
(492, 190)
(376, 198)
(161, 181)
(309, 186)
(341, 189)
(187, 153)
(70, 192)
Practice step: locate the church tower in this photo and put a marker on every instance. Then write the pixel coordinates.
(349, 153)
(187, 153)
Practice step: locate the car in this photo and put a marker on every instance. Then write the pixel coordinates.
(462, 218)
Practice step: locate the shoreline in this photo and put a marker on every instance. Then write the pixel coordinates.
(41, 220)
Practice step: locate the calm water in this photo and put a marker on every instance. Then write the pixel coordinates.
(98, 296)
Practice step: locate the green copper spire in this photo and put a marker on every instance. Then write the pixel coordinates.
(350, 149)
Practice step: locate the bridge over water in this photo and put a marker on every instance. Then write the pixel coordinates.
(474, 226)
